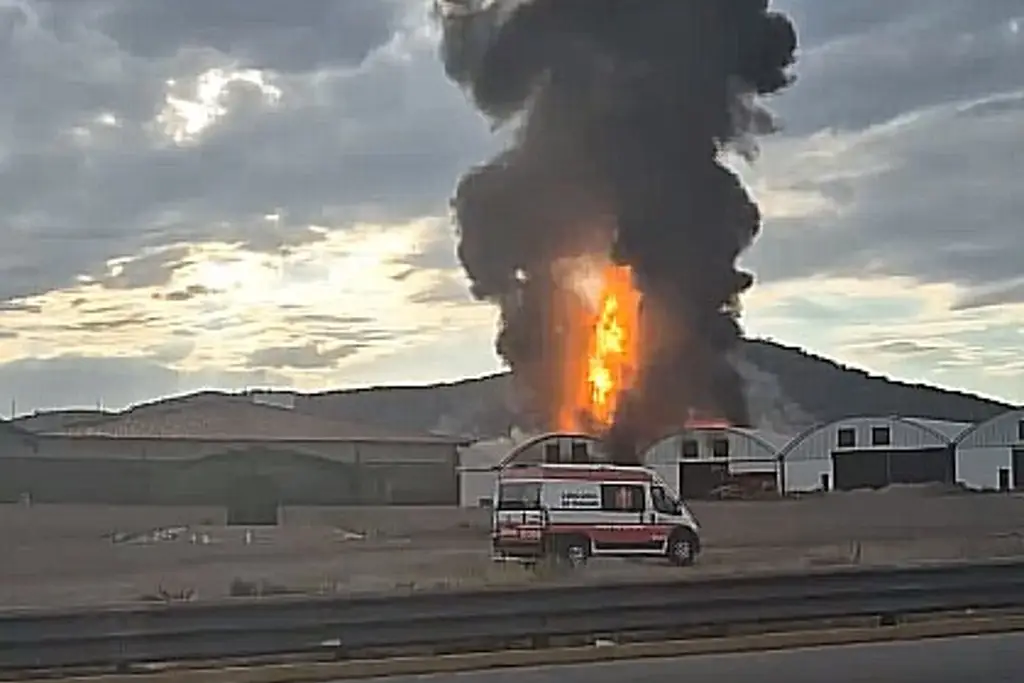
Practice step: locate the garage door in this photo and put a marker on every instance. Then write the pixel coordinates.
(924, 466)
(859, 470)
(699, 479)
(1018, 468)
(876, 469)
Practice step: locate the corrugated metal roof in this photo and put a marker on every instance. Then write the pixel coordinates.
(231, 418)
(774, 439)
(950, 430)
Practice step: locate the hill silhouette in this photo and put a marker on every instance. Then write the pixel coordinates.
(788, 390)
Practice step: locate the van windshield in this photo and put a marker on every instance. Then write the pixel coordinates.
(519, 496)
(663, 501)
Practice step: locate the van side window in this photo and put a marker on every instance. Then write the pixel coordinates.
(519, 496)
(622, 497)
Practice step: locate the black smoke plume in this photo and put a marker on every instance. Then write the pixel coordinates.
(622, 112)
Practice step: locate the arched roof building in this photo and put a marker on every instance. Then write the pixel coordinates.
(871, 452)
(990, 455)
(708, 461)
(480, 463)
(556, 447)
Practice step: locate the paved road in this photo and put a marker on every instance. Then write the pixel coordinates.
(991, 659)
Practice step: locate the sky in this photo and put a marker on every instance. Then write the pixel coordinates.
(247, 193)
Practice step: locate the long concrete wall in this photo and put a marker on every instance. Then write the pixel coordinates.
(294, 477)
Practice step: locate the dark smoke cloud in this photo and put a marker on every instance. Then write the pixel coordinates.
(623, 109)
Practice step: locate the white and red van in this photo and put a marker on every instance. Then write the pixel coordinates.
(578, 511)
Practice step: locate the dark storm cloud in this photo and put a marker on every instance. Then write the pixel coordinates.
(285, 36)
(941, 203)
(363, 130)
(867, 61)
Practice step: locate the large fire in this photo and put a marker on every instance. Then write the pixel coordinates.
(613, 344)
(602, 353)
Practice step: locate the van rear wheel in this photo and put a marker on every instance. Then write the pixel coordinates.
(573, 551)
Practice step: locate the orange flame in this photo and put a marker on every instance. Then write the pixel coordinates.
(613, 344)
(601, 351)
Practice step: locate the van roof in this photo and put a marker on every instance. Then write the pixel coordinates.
(579, 472)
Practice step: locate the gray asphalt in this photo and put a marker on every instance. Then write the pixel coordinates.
(988, 659)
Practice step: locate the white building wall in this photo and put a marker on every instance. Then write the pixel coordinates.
(982, 451)
(480, 463)
(809, 456)
(663, 458)
(803, 476)
(477, 473)
(750, 451)
(978, 468)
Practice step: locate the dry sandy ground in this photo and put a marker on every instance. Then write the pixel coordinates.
(65, 555)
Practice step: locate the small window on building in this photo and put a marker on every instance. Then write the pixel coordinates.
(552, 453)
(720, 448)
(880, 436)
(1020, 430)
(846, 438)
(579, 453)
(622, 497)
(691, 450)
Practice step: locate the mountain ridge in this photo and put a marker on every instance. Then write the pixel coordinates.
(789, 389)
(813, 387)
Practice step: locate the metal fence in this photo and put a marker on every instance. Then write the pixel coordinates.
(120, 637)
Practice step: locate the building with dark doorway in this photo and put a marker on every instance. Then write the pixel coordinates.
(480, 463)
(871, 452)
(719, 462)
(990, 455)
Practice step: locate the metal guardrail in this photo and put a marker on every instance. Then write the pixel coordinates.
(198, 631)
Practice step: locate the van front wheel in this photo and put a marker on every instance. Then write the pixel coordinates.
(682, 548)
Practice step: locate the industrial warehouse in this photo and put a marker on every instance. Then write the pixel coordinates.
(205, 448)
(209, 449)
(843, 455)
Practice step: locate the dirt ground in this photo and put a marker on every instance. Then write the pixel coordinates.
(56, 555)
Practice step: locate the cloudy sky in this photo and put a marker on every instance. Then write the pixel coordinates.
(235, 193)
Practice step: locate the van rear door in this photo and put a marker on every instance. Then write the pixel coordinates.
(519, 517)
